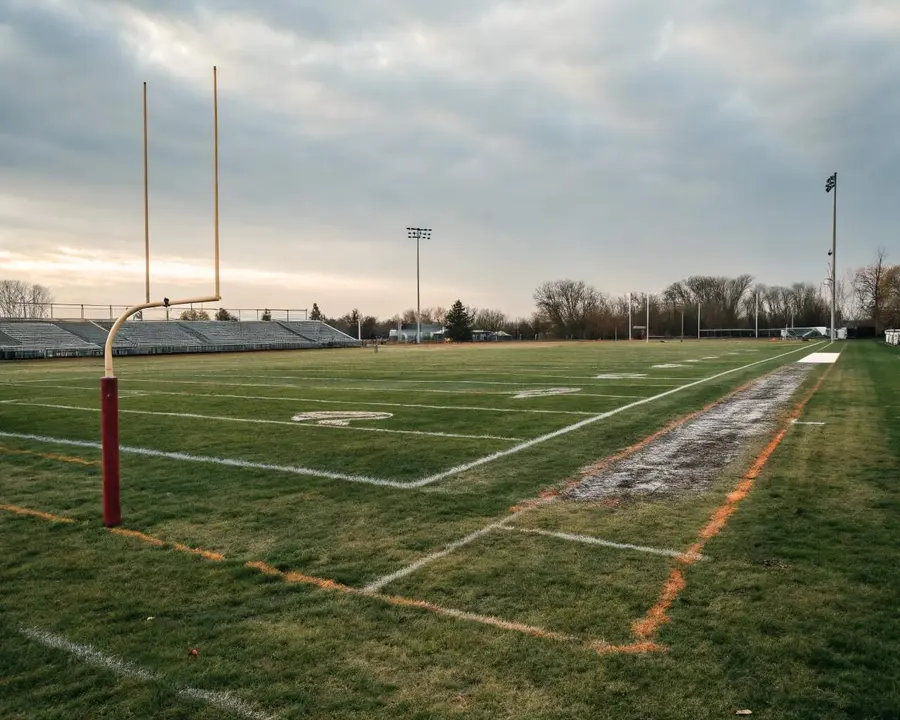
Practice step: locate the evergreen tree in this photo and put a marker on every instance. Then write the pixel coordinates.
(459, 323)
(315, 314)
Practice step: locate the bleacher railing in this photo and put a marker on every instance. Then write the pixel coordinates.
(88, 311)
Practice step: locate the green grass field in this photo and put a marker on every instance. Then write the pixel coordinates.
(386, 567)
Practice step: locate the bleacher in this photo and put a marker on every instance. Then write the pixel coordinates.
(71, 338)
(92, 332)
(44, 337)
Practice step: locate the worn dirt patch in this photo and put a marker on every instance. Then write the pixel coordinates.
(694, 454)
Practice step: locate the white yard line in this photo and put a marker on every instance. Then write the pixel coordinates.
(376, 585)
(800, 422)
(221, 700)
(336, 402)
(404, 381)
(171, 381)
(589, 540)
(228, 462)
(261, 421)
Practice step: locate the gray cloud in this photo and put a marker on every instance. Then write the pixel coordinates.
(629, 144)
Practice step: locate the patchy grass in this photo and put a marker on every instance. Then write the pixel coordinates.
(791, 616)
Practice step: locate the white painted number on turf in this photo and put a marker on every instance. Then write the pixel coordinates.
(339, 417)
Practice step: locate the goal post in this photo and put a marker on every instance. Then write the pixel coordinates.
(109, 387)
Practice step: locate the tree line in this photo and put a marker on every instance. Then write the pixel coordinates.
(575, 309)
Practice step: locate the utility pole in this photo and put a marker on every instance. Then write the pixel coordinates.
(757, 313)
(630, 328)
(418, 234)
(647, 329)
(831, 184)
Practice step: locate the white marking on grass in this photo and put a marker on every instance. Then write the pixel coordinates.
(376, 585)
(463, 467)
(820, 358)
(123, 668)
(589, 540)
(340, 417)
(545, 392)
(620, 376)
(262, 421)
(711, 357)
(467, 408)
(447, 549)
(666, 366)
(801, 422)
(229, 462)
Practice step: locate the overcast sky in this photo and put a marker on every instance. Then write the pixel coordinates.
(628, 143)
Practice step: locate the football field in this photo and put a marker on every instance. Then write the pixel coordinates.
(524, 530)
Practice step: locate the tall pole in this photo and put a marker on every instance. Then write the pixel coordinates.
(216, 171)
(146, 206)
(698, 321)
(834, 260)
(831, 184)
(757, 314)
(682, 323)
(647, 330)
(418, 234)
(418, 297)
(630, 329)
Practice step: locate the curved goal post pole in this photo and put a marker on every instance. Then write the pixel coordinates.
(109, 386)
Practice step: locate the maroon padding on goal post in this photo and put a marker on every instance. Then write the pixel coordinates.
(109, 423)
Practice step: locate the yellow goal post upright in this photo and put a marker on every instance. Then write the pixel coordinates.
(109, 391)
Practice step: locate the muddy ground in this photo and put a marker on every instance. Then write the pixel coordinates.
(691, 456)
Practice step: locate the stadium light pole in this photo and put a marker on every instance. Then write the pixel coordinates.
(698, 320)
(418, 234)
(831, 184)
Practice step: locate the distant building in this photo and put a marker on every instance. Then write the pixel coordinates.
(407, 332)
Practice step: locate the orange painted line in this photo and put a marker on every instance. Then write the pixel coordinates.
(36, 513)
(645, 628)
(4, 450)
(399, 601)
(157, 542)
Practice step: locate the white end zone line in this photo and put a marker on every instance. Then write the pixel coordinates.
(262, 421)
(123, 668)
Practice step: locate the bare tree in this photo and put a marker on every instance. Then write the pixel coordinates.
(568, 305)
(21, 299)
(870, 285)
(487, 319)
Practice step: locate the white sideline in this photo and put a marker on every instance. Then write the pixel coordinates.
(92, 656)
(245, 464)
(463, 467)
(638, 381)
(589, 540)
(262, 421)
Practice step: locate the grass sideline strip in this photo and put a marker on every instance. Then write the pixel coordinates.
(645, 628)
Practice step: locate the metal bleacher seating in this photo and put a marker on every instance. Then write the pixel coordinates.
(58, 338)
(42, 336)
